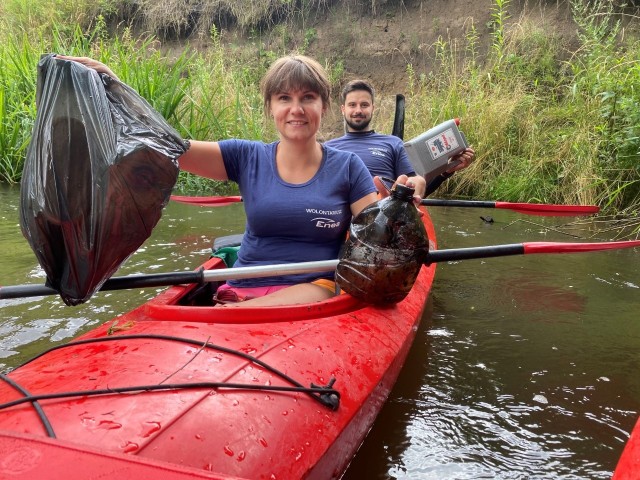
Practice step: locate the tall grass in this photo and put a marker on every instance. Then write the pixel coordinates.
(204, 95)
(545, 129)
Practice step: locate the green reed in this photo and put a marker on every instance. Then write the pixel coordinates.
(545, 128)
(546, 125)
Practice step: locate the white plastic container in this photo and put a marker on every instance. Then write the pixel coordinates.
(431, 151)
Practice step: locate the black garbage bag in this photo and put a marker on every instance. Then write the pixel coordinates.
(98, 172)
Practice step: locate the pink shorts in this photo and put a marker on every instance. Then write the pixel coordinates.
(227, 293)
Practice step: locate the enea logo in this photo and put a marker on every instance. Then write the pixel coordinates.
(325, 222)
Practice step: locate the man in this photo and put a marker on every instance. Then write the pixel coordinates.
(384, 155)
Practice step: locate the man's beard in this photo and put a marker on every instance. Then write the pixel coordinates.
(358, 127)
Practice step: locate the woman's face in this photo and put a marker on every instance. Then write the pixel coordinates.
(297, 114)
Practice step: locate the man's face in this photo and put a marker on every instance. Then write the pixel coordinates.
(357, 110)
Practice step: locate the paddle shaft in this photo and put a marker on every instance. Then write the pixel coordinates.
(527, 208)
(177, 278)
(531, 208)
(202, 276)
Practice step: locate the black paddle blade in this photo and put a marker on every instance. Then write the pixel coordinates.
(398, 119)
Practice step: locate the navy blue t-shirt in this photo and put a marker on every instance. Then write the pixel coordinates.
(384, 155)
(289, 223)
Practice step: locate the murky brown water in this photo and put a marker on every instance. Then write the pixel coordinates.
(524, 367)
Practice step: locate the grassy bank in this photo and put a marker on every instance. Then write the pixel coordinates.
(545, 128)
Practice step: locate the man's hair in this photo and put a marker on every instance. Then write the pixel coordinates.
(295, 72)
(358, 84)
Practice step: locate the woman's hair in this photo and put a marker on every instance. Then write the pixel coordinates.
(295, 72)
(355, 85)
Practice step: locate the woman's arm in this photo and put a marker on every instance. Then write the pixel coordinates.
(91, 63)
(359, 205)
(204, 159)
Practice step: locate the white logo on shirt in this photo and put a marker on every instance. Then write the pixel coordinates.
(378, 152)
(325, 222)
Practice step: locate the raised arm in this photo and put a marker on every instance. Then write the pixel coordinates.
(204, 159)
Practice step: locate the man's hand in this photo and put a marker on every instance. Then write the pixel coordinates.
(465, 158)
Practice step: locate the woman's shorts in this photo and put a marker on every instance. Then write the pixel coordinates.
(228, 294)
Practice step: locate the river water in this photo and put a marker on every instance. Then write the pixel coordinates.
(524, 367)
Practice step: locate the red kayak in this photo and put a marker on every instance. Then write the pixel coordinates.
(179, 389)
(628, 467)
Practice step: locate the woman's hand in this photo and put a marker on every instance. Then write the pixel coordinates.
(402, 180)
(91, 63)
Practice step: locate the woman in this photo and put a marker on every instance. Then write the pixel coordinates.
(299, 196)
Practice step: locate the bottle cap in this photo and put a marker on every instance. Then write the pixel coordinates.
(402, 192)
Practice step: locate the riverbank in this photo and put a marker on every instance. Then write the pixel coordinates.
(545, 92)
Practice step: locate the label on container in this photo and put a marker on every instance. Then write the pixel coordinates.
(443, 143)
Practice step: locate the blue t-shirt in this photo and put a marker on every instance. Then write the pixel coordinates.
(289, 223)
(384, 155)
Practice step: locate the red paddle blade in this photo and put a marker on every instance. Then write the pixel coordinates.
(560, 247)
(207, 201)
(544, 209)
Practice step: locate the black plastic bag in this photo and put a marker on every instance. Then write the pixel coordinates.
(98, 172)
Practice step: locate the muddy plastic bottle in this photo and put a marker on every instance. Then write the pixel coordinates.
(386, 248)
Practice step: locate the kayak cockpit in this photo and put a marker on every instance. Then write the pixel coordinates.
(194, 303)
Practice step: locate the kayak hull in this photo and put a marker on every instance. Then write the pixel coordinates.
(628, 467)
(209, 392)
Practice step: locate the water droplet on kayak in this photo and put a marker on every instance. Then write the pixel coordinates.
(235, 403)
(109, 425)
(241, 456)
(249, 350)
(198, 436)
(130, 447)
(88, 421)
(263, 442)
(228, 451)
(152, 427)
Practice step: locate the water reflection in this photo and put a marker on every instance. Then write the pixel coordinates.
(525, 370)
(524, 367)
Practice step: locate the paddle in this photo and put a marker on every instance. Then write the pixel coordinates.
(203, 276)
(542, 209)
(398, 119)
(207, 201)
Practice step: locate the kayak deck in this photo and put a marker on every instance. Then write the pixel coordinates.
(275, 393)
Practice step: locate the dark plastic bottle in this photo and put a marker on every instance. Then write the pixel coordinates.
(386, 248)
